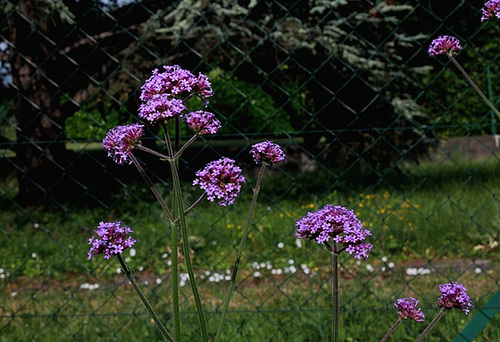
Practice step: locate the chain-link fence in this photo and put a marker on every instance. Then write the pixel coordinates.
(367, 118)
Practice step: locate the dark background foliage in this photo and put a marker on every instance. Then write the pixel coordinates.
(367, 119)
(348, 82)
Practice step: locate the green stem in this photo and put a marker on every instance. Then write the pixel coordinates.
(165, 157)
(195, 204)
(431, 325)
(240, 252)
(176, 134)
(174, 244)
(152, 152)
(168, 142)
(151, 186)
(148, 306)
(185, 146)
(175, 272)
(391, 330)
(187, 257)
(335, 293)
(471, 82)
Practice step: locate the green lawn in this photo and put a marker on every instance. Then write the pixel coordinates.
(435, 223)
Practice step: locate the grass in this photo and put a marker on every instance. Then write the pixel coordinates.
(443, 217)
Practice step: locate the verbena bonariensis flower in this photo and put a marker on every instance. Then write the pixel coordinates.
(221, 179)
(203, 122)
(407, 309)
(490, 10)
(453, 295)
(444, 44)
(337, 223)
(203, 88)
(161, 107)
(121, 140)
(111, 239)
(174, 81)
(267, 152)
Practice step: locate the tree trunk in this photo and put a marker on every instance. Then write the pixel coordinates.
(40, 142)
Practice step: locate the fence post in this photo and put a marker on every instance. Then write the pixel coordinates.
(483, 317)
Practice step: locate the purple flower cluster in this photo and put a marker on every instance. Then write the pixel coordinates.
(111, 239)
(490, 10)
(203, 122)
(407, 309)
(162, 91)
(267, 152)
(161, 107)
(121, 140)
(338, 223)
(454, 295)
(444, 44)
(175, 81)
(221, 179)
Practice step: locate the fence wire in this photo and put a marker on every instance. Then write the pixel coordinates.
(368, 121)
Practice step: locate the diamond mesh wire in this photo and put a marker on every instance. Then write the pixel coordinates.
(368, 121)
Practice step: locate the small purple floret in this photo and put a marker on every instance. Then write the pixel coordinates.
(203, 122)
(267, 152)
(221, 179)
(454, 295)
(111, 239)
(444, 44)
(121, 140)
(337, 223)
(490, 10)
(407, 309)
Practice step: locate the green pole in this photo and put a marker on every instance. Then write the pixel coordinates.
(480, 320)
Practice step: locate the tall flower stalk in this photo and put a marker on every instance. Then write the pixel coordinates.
(449, 46)
(407, 310)
(164, 97)
(335, 292)
(149, 308)
(431, 325)
(339, 230)
(112, 239)
(265, 153)
(392, 329)
(453, 296)
(185, 243)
